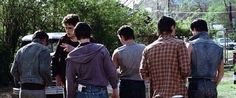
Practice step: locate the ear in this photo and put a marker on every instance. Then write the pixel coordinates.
(173, 27)
(194, 32)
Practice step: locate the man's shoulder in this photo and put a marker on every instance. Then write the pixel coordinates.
(141, 45)
(178, 41)
(40, 47)
(120, 48)
(152, 45)
(64, 38)
(97, 45)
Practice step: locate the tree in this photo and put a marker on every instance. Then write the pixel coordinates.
(21, 17)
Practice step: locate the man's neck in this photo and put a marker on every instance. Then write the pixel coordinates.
(129, 41)
(73, 39)
(84, 40)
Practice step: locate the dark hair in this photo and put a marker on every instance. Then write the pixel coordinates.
(165, 23)
(199, 25)
(39, 34)
(126, 31)
(82, 30)
(71, 19)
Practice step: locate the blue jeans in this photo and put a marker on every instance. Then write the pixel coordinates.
(202, 88)
(132, 89)
(92, 92)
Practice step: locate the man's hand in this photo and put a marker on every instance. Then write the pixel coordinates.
(115, 94)
(67, 47)
(59, 81)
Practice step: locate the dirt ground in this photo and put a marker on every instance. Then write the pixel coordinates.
(6, 92)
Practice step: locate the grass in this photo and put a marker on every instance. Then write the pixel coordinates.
(226, 88)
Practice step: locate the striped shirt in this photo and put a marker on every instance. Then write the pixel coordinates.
(166, 64)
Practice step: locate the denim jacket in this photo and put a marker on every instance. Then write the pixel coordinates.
(206, 56)
(31, 64)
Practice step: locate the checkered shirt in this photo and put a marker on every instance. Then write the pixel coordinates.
(166, 64)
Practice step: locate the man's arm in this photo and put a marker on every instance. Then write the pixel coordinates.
(55, 59)
(14, 68)
(110, 70)
(70, 80)
(115, 56)
(56, 68)
(144, 66)
(184, 54)
(220, 72)
(44, 66)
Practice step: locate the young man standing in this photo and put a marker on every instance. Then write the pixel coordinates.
(127, 58)
(165, 62)
(207, 66)
(65, 45)
(89, 68)
(31, 67)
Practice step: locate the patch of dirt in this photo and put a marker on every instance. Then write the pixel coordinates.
(6, 92)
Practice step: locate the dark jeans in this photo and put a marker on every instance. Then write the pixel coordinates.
(132, 89)
(202, 88)
(92, 92)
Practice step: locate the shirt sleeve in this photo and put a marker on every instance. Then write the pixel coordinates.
(110, 69)
(144, 65)
(14, 68)
(70, 80)
(44, 66)
(55, 59)
(184, 60)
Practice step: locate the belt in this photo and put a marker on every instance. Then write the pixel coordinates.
(197, 79)
(32, 86)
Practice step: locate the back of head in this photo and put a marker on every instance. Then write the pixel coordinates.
(71, 19)
(165, 25)
(199, 25)
(82, 30)
(39, 34)
(126, 31)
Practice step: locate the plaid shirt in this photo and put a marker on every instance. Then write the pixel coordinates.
(166, 64)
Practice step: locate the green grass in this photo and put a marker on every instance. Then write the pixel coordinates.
(226, 88)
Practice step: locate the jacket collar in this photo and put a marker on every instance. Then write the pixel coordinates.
(200, 34)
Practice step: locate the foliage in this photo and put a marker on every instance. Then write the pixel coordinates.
(21, 17)
(183, 28)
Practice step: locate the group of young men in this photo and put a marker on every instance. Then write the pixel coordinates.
(86, 68)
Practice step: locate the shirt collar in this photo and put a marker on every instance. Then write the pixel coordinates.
(166, 36)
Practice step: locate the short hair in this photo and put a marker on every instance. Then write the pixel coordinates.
(165, 23)
(71, 19)
(126, 31)
(40, 34)
(82, 30)
(199, 25)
